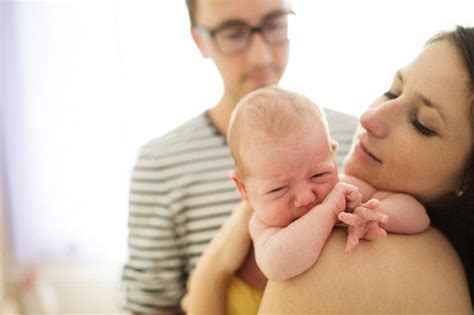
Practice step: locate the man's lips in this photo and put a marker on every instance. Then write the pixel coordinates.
(365, 151)
(261, 78)
(261, 75)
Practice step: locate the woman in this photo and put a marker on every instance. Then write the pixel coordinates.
(417, 138)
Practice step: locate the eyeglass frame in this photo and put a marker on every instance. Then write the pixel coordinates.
(211, 32)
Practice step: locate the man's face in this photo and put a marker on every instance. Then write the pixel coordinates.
(261, 64)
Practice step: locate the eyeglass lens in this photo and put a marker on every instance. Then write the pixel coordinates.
(236, 38)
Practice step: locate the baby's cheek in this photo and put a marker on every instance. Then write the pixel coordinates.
(327, 189)
(277, 218)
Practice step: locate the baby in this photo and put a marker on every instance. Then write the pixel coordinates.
(285, 167)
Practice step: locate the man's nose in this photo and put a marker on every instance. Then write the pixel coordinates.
(259, 52)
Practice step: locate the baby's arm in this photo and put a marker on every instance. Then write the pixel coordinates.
(406, 214)
(283, 253)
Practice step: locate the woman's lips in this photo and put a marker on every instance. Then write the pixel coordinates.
(366, 154)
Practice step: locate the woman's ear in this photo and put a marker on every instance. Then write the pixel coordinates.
(465, 184)
(200, 42)
(239, 183)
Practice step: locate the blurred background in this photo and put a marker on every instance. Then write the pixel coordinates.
(84, 83)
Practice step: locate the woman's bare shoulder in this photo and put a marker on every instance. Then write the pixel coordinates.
(400, 274)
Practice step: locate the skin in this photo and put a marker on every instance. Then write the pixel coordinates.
(401, 274)
(405, 274)
(221, 259)
(424, 166)
(261, 65)
(300, 176)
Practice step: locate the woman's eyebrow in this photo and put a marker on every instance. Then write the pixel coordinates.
(425, 99)
(430, 104)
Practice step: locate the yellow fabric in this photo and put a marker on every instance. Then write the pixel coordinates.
(242, 298)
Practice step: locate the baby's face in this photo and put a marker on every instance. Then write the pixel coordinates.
(289, 176)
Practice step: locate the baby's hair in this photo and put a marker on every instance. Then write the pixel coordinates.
(270, 113)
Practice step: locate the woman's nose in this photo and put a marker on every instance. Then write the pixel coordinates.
(377, 119)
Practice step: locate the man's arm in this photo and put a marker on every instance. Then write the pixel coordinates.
(153, 273)
(403, 274)
(207, 286)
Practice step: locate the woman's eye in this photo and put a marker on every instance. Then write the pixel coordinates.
(420, 128)
(390, 95)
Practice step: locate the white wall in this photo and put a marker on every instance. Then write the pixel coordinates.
(86, 82)
(346, 52)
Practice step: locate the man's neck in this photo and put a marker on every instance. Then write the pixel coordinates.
(220, 114)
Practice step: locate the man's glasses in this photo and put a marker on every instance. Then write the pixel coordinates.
(234, 37)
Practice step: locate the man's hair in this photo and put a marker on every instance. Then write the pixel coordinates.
(269, 113)
(191, 4)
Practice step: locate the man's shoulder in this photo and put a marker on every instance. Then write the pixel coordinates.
(197, 131)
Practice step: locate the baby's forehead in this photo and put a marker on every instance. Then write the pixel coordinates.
(288, 124)
(302, 142)
(272, 160)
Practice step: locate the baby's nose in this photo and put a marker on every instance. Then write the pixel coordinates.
(305, 198)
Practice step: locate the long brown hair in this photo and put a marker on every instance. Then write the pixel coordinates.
(454, 214)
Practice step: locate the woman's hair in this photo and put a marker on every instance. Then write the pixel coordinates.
(462, 38)
(454, 215)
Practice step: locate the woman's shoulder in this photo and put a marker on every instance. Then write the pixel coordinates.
(399, 274)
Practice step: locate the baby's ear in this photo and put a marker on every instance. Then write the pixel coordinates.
(239, 183)
(334, 145)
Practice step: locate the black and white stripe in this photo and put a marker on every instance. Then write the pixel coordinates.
(180, 195)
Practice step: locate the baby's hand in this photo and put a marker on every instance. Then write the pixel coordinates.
(364, 223)
(343, 196)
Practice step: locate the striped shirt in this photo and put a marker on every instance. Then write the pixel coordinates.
(180, 195)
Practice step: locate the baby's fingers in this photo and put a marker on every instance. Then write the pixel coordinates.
(354, 235)
(349, 219)
(369, 214)
(372, 204)
(353, 199)
(373, 232)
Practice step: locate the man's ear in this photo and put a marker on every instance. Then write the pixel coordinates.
(239, 183)
(200, 42)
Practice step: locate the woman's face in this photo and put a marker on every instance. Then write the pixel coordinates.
(417, 137)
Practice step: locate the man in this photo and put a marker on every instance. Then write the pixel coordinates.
(180, 192)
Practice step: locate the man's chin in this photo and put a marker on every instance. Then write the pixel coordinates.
(254, 85)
